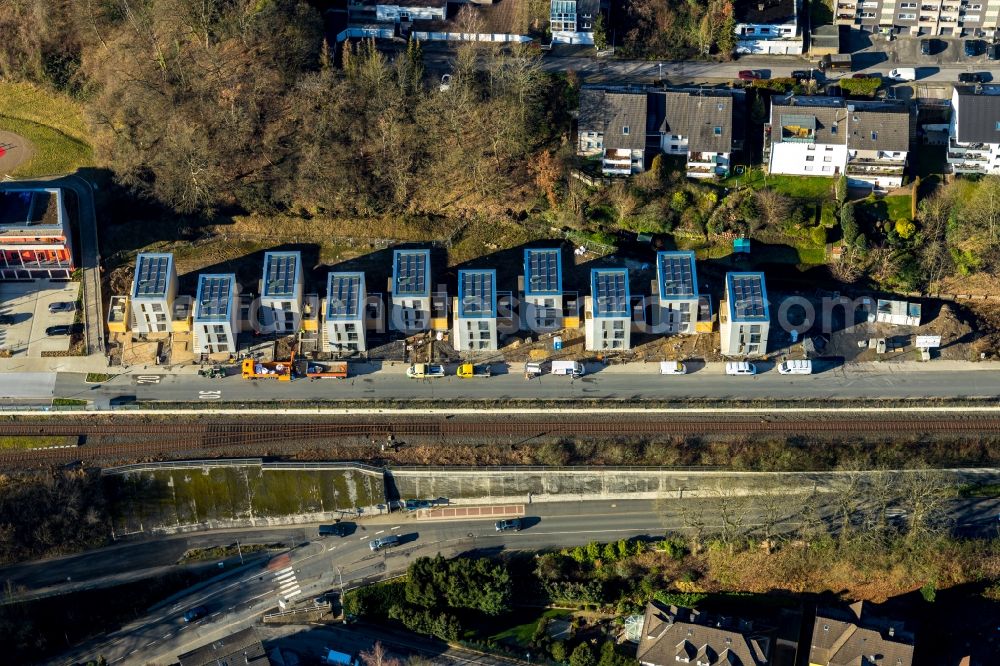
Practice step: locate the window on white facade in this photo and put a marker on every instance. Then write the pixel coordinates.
(810, 158)
(827, 159)
(809, 167)
(907, 17)
(826, 168)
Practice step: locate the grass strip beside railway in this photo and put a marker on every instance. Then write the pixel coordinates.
(12, 442)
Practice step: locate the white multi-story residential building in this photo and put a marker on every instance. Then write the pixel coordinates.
(878, 144)
(475, 326)
(402, 11)
(697, 124)
(807, 136)
(34, 235)
(612, 126)
(411, 291)
(974, 135)
(943, 18)
(675, 293)
(744, 315)
(281, 292)
(768, 26)
(572, 21)
(154, 288)
(542, 304)
(216, 320)
(344, 324)
(608, 311)
(828, 136)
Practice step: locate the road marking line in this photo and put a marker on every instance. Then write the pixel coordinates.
(281, 571)
(290, 574)
(380, 532)
(331, 548)
(290, 586)
(167, 635)
(293, 594)
(394, 528)
(364, 537)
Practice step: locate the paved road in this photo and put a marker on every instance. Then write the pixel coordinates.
(634, 382)
(240, 597)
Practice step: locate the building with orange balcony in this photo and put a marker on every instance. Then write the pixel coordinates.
(34, 235)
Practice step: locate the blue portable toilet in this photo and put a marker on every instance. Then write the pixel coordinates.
(557, 343)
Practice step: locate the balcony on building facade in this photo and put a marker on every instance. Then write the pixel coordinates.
(874, 170)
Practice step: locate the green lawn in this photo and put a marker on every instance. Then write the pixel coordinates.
(54, 152)
(898, 207)
(816, 188)
(522, 634)
(33, 441)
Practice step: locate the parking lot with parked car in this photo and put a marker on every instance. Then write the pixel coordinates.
(37, 316)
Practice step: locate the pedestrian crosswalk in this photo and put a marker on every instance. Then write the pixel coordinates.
(288, 586)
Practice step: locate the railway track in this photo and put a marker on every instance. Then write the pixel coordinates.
(176, 439)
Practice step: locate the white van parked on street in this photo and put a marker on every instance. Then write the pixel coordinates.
(573, 368)
(740, 368)
(672, 368)
(797, 367)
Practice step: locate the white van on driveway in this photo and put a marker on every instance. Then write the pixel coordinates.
(672, 368)
(797, 367)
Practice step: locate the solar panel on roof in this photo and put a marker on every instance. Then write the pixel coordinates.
(411, 275)
(151, 275)
(748, 296)
(344, 296)
(676, 276)
(279, 274)
(543, 271)
(214, 293)
(611, 293)
(476, 290)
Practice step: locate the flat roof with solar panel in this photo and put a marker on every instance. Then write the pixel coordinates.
(215, 297)
(152, 273)
(281, 274)
(609, 289)
(747, 297)
(411, 271)
(676, 275)
(542, 272)
(477, 293)
(344, 293)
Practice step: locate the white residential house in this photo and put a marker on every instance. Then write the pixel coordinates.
(403, 11)
(612, 126)
(542, 301)
(807, 136)
(695, 123)
(154, 288)
(828, 136)
(675, 294)
(744, 315)
(572, 21)
(216, 320)
(475, 326)
(344, 323)
(608, 311)
(878, 144)
(974, 141)
(768, 27)
(281, 292)
(411, 291)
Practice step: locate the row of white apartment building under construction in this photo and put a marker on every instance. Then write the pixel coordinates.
(476, 319)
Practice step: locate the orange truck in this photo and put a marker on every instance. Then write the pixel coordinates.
(280, 370)
(314, 370)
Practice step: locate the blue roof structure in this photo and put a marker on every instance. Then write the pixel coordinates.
(411, 273)
(477, 294)
(152, 272)
(746, 295)
(215, 297)
(609, 289)
(676, 276)
(542, 272)
(281, 274)
(344, 295)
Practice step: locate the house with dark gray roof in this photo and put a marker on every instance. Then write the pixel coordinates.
(672, 635)
(878, 143)
(768, 26)
(974, 141)
(242, 648)
(830, 136)
(853, 637)
(612, 126)
(698, 124)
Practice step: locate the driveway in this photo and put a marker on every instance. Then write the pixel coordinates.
(27, 306)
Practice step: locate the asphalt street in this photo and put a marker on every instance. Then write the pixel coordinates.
(637, 382)
(319, 565)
